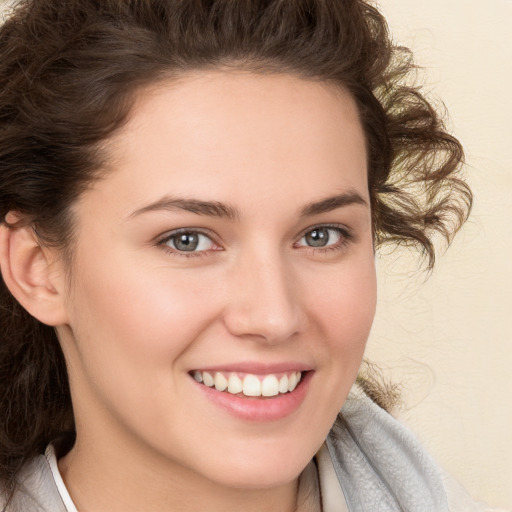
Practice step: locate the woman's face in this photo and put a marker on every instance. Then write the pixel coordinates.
(230, 240)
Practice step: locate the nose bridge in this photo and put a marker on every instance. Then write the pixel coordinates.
(264, 302)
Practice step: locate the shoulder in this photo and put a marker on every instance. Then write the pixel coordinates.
(35, 490)
(379, 463)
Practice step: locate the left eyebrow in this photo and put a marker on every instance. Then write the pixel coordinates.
(332, 203)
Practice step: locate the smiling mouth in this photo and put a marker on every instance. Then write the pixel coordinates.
(250, 385)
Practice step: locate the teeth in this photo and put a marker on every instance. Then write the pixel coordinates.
(235, 384)
(221, 382)
(283, 384)
(292, 382)
(208, 379)
(250, 385)
(270, 386)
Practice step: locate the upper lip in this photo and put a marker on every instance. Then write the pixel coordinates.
(256, 368)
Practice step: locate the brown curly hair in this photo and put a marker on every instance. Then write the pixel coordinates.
(69, 74)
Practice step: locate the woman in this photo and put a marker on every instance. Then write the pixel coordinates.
(192, 194)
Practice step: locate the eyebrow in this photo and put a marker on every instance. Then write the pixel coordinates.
(332, 203)
(224, 210)
(207, 208)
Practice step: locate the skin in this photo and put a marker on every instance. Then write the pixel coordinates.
(140, 315)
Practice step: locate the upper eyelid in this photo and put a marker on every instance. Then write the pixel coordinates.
(161, 243)
(345, 237)
(173, 232)
(342, 227)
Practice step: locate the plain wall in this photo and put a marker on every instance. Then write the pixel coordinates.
(448, 339)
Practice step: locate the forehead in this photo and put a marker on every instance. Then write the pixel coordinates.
(222, 133)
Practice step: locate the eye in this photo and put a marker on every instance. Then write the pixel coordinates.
(189, 241)
(323, 237)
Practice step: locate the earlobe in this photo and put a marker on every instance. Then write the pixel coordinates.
(28, 272)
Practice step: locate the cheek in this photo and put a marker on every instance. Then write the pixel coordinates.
(131, 324)
(344, 312)
(130, 330)
(142, 308)
(345, 305)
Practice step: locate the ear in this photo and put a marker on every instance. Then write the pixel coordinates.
(31, 273)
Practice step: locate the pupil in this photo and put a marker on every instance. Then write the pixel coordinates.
(317, 238)
(186, 242)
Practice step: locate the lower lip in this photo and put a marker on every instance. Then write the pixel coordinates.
(259, 409)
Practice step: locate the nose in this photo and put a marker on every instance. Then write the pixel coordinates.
(264, 301)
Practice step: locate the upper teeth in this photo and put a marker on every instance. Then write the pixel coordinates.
(249, 384)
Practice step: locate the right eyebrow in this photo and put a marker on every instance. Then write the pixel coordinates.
(209, 208)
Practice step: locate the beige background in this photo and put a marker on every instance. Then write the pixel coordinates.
(448, 338)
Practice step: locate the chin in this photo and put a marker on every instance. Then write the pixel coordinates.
(263, 468)
(252, 477)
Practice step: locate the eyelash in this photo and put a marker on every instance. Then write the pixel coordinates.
(184, 254)
(346, 237)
